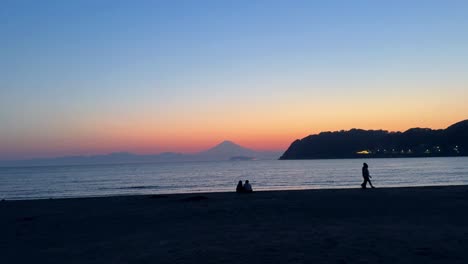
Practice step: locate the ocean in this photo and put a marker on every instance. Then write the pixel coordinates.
(192, 177)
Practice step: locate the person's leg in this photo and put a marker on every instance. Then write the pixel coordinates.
(363, 184)
(370, 183)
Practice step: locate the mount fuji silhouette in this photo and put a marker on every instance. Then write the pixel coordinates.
(226, 150)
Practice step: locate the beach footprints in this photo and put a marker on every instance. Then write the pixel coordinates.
(423, 251)
(432, 253)
(196, 198)
(25, 219)
(158, 196)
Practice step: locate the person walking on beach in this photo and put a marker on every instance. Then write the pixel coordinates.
(366, 176)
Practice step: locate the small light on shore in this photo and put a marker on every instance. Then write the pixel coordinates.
(364, 152)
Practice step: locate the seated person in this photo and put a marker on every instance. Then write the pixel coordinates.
(240, 187)
(247, 187)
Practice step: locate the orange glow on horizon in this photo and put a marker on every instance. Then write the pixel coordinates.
(148, 140)
(259, 132)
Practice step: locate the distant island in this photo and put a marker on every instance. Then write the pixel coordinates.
(358, 143)
(241, 158)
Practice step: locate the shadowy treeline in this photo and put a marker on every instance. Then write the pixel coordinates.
(358, 143)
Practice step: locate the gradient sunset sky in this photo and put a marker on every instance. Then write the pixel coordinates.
(90, 77)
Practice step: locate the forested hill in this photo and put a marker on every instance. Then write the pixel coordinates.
(358, 143)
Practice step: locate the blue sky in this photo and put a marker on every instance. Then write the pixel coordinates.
(72, 73)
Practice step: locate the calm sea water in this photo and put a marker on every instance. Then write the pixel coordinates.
(162, 178)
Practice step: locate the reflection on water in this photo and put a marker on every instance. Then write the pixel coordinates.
(123, 179)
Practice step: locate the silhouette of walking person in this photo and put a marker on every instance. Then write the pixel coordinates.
(366, 176)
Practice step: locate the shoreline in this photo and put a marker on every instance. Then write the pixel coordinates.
(382, 225)
(293, 189)
(210, 161)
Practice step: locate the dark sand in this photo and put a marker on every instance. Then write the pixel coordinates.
(399, 225)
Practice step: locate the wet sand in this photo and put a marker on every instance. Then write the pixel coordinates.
(386, 225)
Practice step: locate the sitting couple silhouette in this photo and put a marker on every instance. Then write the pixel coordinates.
(244, 188)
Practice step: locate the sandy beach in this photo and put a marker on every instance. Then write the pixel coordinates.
(385, 225)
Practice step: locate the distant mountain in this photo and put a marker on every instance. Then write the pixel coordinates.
(358, 143)
(226, 150)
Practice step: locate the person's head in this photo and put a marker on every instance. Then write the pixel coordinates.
(239, 183)
(246, 181)
(365, 165)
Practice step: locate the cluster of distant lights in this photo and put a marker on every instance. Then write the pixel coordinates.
(409, 151)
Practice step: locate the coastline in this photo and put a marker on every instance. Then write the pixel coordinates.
(203, 193)
(384, 225)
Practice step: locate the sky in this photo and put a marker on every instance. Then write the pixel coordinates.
(92, 77)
